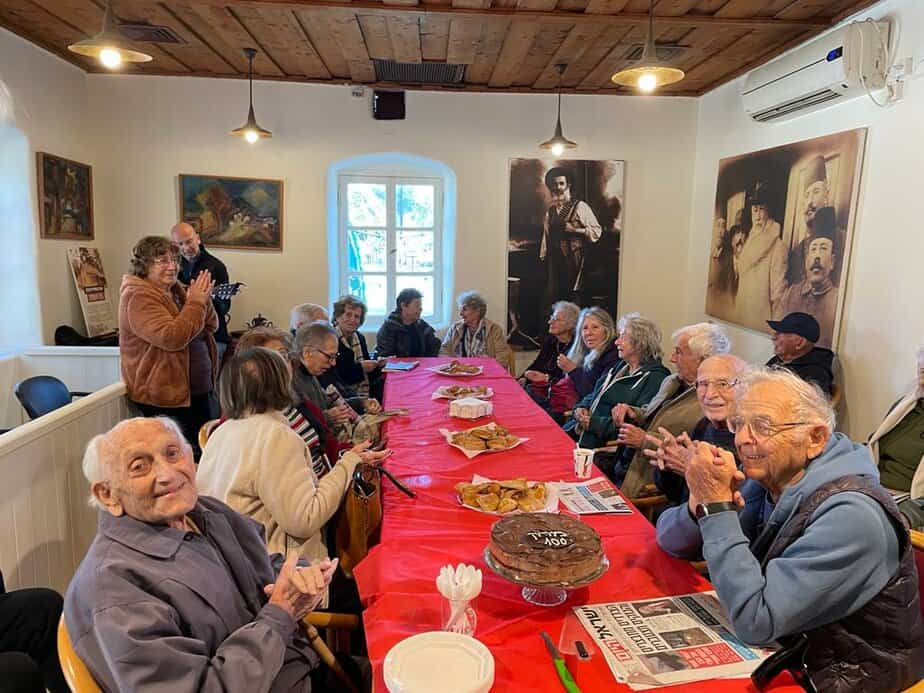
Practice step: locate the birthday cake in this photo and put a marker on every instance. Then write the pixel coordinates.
(545, 548)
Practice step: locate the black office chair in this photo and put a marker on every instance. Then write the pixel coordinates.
(42, 394)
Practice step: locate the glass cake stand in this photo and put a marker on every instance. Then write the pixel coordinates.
(547, 594)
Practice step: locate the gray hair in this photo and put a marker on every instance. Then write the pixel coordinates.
(624, 319)
(811, 405)
(737, 364)
(569, 312)
(305, 313)
(644, 335)
(98, 452)
(705, 338)
(579, 353)
(313, 336)
(472, 299)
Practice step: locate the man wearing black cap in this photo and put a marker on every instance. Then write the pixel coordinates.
(794, 349)
(816, 294)
(569, 224)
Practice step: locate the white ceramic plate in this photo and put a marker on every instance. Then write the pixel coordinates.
(438, 661)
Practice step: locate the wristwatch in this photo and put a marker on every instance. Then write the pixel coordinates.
(704, 509)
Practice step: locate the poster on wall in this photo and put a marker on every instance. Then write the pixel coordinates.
(228, 212)
(781, 232)
(65, 194)
(92, 289)
(563, 240)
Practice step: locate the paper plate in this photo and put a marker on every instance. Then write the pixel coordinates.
(439, 661)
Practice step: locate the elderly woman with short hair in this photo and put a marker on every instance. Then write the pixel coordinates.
(354, 366)
(474, 334)
(305, 313)
(167, 346)
(259, 466)
(544, 370)
(634, 381)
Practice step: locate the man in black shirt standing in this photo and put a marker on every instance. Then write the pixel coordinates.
(195, 259)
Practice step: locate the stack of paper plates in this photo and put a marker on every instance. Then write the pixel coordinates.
(438, 661)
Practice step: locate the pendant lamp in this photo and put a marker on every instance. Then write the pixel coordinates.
(109, 46)
(558, 143)
(250, 131)
(648, 73)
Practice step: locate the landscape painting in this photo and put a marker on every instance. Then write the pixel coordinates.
(228, 212)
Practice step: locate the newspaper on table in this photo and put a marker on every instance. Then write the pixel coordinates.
(592, 496)
(668, 640)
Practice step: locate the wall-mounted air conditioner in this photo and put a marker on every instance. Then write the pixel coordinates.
(823, 72)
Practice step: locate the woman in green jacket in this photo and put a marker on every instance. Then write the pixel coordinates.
(633, 383)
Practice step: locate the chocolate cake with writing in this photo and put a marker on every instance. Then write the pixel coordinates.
(545, 548)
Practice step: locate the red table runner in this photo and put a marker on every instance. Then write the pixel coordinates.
(419, 536)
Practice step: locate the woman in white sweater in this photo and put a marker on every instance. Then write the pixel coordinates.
(259, 466)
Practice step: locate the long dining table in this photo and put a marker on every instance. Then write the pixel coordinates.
(420, 535)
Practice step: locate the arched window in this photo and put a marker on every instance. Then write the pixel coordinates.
(19, 300)
(391, 226)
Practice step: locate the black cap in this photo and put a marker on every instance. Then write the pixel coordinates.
(801, 324)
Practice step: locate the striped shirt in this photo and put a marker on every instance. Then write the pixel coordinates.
(305, 430)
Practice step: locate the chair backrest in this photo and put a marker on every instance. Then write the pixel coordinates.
(76, 674)
(42, 394)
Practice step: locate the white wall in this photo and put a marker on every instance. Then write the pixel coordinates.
(148, 130)
(882, 321)
(50, 100)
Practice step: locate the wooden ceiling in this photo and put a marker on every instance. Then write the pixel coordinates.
(506, 45)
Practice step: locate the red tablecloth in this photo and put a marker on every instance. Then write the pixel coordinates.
(419, 536)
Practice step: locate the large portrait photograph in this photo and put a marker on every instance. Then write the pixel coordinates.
(781, 232)
(564, 228)
(228, 212)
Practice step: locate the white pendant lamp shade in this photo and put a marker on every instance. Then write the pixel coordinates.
(109, 46)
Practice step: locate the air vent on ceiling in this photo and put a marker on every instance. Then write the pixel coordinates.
(667, 52)
(418, 73)
(784, 109)
(149, 33)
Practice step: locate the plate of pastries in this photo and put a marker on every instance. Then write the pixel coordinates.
(458, 369)
(507, 497)
(490, 437)
(463, 391)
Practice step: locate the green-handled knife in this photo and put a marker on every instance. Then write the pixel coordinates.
(566, 679)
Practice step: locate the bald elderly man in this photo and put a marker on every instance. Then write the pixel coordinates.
(194, 259)
(177, 592)
(810, 550)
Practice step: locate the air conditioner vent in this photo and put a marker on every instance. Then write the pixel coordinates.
(418, 73)
(149, 33)
(667, 52)
(815, 99)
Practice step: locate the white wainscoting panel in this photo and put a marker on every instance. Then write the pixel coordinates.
(46, 525)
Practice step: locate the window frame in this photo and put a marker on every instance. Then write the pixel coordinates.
(391, 273)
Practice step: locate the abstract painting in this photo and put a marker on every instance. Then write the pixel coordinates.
(65, 194)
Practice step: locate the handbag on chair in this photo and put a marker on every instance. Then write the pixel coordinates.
(359, 521)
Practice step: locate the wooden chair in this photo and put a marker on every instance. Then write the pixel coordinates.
(76, 674)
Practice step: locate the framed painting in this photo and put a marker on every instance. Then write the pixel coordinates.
(65, 194)
(243, 213)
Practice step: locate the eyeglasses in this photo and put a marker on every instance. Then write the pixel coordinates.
(330, 357)
(721, 384)
(762, 427)
(164, 261)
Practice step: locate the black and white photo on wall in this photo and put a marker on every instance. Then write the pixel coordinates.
(564, 226)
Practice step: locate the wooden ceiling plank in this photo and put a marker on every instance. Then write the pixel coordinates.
(350, 37)
(570, 51)
(288, 38)
(747, 8)
(210, 35)
(592, 55)
(519, 40)
(803, 9)
(45, 30)
(489, 49)
(464, 41)
(251, 19)
(405, 38)
(405, 3)
(537, 5)
(605, 6)
(237, 36)
(673, 8)
(319, 32)
(196, 55)
(612, 62)
(434, 38)
(471, 4)
(375, 35)
(735, 70)
(544, 48)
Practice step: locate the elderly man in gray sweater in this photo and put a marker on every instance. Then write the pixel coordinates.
(177, 592)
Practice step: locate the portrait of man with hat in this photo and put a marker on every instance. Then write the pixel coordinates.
(569, 224)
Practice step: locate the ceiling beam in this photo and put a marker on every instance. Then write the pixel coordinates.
(367, 8)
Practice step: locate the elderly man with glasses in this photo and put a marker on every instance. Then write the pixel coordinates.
(804, 547)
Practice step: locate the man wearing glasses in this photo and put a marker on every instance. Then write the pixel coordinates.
(803, 545)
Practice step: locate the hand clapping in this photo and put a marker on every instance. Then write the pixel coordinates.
(712, 475)
(673, 452)
(200, 290)
(631, 436)
(297, 590)
(566, 364)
